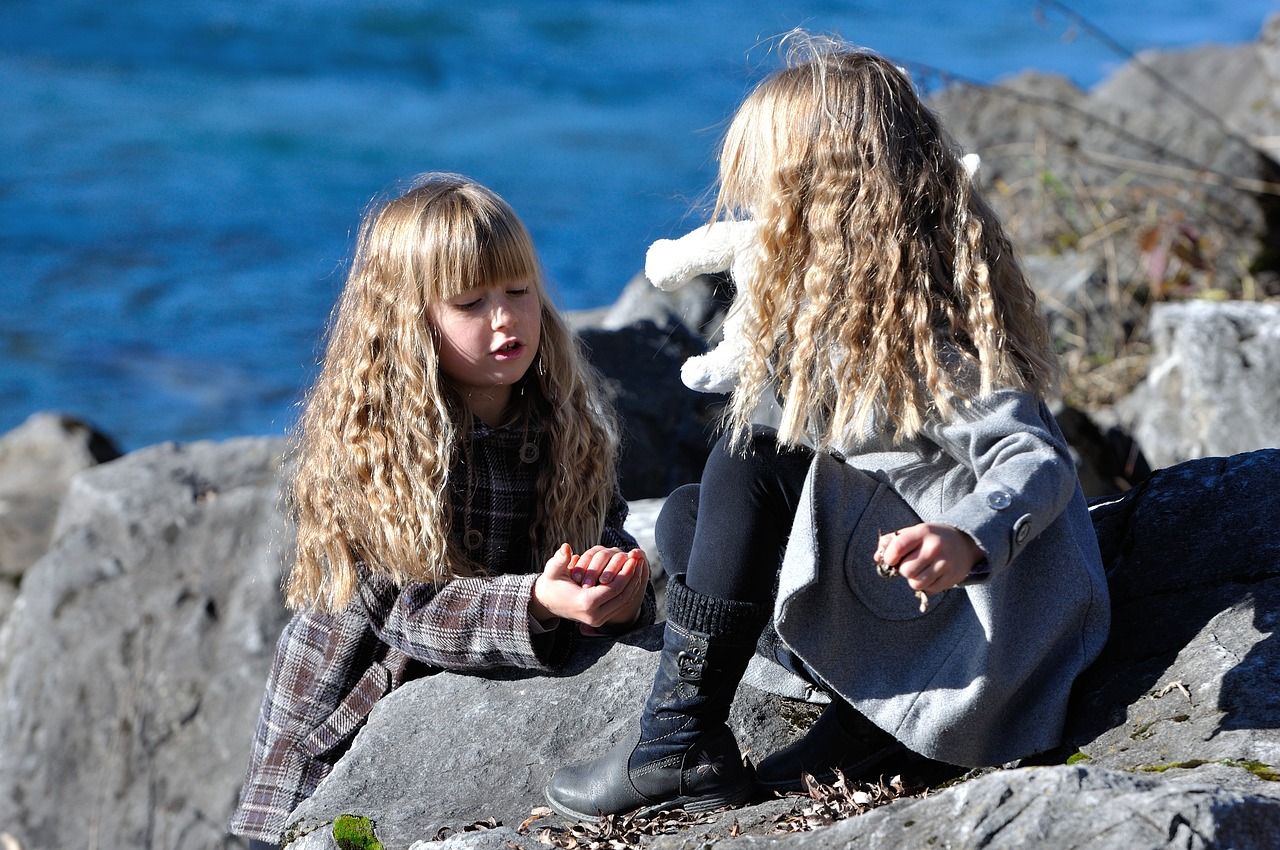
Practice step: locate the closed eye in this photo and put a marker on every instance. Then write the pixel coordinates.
(524, 290)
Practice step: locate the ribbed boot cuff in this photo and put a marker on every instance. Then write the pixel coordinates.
(714, 617)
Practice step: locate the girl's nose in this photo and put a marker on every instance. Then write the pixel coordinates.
(502, 315)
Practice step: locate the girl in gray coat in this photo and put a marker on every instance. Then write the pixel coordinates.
(912, 540)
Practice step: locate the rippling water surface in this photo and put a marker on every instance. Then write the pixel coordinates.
(179, 181)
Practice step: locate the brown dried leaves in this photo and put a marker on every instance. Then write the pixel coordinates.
(827, 804)
(613, 832)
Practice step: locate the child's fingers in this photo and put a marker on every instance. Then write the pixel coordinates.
(620, 566)
(577, 569)
(631, 573)
(601, 565)
(625, 604)
(941, 559)
(561, 562)
(590, 564)
(898, 546)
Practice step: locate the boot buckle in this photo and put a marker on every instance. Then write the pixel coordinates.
(690, 666)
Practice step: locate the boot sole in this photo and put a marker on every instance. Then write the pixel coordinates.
(915, 769)
(861, 770)
(736, 796)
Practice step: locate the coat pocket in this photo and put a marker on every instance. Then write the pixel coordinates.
(338, 728)
(888, 598)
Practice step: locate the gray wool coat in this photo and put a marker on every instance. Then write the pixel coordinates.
(983, 676)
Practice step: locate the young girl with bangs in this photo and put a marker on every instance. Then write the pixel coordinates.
(454, 488)
(912, 541)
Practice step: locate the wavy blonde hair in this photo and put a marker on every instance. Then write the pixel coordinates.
(381, 428)
(886, 285)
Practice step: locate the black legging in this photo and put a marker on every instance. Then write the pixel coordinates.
(728, 534)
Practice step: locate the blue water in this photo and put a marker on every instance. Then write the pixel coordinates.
(179, 181)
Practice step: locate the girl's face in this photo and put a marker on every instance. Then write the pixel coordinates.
(487, 339)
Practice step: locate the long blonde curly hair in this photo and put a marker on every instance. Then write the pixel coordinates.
(381, 428)
(886, 286)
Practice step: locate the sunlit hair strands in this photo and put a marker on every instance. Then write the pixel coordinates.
(887, 287)
(381, 428)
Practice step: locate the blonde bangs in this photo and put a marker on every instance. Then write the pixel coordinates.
(450, 236)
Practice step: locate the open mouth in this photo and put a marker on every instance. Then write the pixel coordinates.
(508, 347)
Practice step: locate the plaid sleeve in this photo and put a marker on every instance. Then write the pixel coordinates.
(463, 624)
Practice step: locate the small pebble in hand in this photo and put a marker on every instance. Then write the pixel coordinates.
(887, 570)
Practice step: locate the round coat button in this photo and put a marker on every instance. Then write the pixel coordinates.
(999, 500)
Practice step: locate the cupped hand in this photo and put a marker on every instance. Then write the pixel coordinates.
(602, 587)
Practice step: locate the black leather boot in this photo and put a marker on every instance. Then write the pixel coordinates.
(840, 739)
(685, 756)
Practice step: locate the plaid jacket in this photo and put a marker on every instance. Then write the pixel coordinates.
(330, 669)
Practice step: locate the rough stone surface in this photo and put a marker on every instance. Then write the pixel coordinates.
(451, 749)
(1059, 807)
(1193, 558)
(1235, 84)
(132, 664)
(668, 429)
(37, 460)
(1213, 384)
(1184, 614)
(1163, 198)
(1048, 808)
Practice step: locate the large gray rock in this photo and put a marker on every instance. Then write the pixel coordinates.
(1192, 667)
(1234, 84)
(1058, 808)
(1213, 383)
(668, 429)
(1164, 199)
(451, 749)
(37, 460)
(1193, 558)
(1048, 808)
(133, 662)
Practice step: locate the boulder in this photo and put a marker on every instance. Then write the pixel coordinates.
(1232, 84)
(699, 306)
(1192, 667)
(443, 752)
(37, 460)
(1049, 808)
(639, 344)
(668, 429)
(1167, 201)
(133, 662)
(1177, 719)
(1213, 383)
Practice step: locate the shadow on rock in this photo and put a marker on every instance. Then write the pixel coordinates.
(1193, 560)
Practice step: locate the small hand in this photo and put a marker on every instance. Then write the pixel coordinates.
(601, 586)
(932, 557)
(622, 609)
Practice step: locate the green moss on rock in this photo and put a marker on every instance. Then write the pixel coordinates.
(355, 832)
